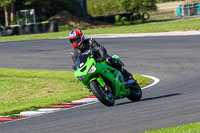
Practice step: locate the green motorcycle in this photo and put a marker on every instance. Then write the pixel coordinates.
(106, 82)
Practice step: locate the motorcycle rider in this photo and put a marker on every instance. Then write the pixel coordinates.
(81, 45)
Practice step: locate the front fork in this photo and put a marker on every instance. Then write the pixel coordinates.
(101, 81)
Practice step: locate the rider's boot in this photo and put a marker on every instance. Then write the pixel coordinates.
(126, 74)
(129, 80)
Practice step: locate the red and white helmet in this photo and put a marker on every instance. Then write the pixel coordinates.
(76, 37)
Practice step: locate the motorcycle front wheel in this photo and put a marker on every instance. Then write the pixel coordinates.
(104, 96)
(136, 92)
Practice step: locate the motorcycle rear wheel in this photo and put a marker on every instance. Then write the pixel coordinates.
(136, 92)
(102, 95)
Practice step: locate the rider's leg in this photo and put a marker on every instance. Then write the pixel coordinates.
(127, 74)
(120, 66)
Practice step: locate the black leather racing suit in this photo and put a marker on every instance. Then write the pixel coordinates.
(100, 51)
(100, 54)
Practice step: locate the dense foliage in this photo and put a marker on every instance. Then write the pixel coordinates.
(47, 8)
(1, 16)
(44, 8)
(160, 1)
(107, 7)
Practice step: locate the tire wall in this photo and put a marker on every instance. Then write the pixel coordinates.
(124, 19)
(29, 29)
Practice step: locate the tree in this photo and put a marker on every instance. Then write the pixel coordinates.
(44, 9)
(134, 5)
(9, 10)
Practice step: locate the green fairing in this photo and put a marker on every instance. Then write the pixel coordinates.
(107, 72)
(113, 77)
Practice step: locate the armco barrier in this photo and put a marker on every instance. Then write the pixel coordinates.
(29, 29)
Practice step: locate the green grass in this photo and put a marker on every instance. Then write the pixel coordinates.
(189, 128)
(31, 89)
(182, 25)
(105, 7)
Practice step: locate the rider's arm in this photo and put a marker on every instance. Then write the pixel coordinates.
(74, 55)
(100, 51)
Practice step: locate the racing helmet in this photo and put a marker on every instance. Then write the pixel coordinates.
(76, 37)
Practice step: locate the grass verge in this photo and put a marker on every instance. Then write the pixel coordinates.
(22, 90)
(189, 128)
(181, 25)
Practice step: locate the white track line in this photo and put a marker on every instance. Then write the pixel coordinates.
(31, 113)
(155, 81)
(49, 109)
(85, 100)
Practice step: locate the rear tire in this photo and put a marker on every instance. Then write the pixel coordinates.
(136, 92)
(102, 95)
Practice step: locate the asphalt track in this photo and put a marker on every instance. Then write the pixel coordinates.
(174, 101)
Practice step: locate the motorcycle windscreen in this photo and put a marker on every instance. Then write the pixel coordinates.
(81, 60)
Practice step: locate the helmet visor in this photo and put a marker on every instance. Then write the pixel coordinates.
(75, 40)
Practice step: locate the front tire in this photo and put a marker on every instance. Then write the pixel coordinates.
(136, 92)
(102, 95)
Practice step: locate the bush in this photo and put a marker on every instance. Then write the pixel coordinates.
(108, 7)
(161, 1)
(46, 8)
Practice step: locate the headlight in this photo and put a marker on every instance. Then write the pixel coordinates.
(92, 69)
(81, 78)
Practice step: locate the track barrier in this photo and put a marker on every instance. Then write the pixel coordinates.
(125, 18)
(29, 29)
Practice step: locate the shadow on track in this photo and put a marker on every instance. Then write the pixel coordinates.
(151, 98)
